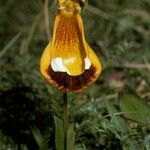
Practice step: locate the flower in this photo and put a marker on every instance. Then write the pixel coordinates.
(68, 62)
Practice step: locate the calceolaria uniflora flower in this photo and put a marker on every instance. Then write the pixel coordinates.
(68, 62)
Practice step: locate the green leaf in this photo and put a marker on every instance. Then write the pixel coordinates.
(70, 138)
(116, 120)
(135, 109)
(39, 139)
(59, 134)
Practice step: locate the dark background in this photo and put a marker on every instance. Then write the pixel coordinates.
(113, 113)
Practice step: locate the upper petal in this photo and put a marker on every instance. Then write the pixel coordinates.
(68, 62)
(68, 43)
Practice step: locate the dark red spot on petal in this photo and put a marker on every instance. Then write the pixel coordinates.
(65, 82)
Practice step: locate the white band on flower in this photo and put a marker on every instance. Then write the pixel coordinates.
(58, 66)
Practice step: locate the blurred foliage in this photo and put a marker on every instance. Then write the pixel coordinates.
(111, 113)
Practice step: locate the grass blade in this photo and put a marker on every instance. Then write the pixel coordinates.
(9, 45)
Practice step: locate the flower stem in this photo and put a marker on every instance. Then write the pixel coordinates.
(65, 109)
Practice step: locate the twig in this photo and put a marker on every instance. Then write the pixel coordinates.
(98, 12)
(132, 66)
(146, 63)
(46, 15)
(108, 97)
(65, 109)
(136, 13)
(120, 113)
(143, 31)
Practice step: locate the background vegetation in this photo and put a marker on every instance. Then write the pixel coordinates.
(114, 113)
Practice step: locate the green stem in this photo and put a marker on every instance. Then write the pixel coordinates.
(65, 109)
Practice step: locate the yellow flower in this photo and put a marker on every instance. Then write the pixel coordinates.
(68, 62)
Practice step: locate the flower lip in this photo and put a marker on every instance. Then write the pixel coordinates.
(68, 62)
(57, 65)
(67, 83)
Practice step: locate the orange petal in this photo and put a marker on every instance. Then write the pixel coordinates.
(68, 43)
(95, 62)
(68, 63)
